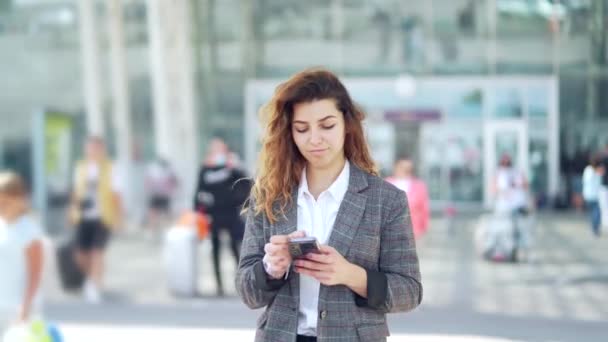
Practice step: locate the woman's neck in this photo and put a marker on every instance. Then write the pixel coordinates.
(320, 180)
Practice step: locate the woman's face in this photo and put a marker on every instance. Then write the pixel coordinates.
(95, 150)
(404, 168)
(505, 161)
(318, 131)
(10, 206)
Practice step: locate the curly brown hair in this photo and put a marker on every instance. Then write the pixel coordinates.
(280, 162)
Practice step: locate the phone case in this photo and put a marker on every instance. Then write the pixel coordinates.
(298, 248)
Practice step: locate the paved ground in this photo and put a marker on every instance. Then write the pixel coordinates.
(562, 295)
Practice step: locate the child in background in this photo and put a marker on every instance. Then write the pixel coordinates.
(21, 254)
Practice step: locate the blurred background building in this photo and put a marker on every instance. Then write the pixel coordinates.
(452, 83)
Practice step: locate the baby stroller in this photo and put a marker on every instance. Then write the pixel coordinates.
(504, 236)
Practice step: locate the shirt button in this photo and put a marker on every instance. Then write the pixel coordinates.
(323, 314)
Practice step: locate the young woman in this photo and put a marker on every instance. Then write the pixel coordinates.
(316, 178)
(96, 211)
(21, 254)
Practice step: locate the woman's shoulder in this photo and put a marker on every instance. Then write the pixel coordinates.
(29, 229)
(588, 169)
(384, 186)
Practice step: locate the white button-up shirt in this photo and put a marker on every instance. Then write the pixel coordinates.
(317, 218)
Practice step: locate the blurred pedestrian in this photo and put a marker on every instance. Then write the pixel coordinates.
(21, 254)
(96, 211)
(221, 190)
(603, 192)
(417, 194)
(510, 188)
(161, 185)
(512, 201)
(316, 178)
(592, 182)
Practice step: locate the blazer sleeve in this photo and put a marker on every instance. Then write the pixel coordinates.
(253, 285)
(398, 259)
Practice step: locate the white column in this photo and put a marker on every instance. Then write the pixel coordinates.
(337, 19)
(491, 48)
(553, 129)
(337, 30)
(248, 40)
(157, 65)
(556, 39)
(429, 28)
(173, 90)
(120, 81)
(91, 68)
(121, 108)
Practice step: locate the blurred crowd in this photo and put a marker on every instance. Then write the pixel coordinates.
(96, 212)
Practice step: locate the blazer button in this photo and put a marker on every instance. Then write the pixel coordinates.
(323, 314)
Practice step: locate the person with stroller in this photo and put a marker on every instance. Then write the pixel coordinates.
(511, 201)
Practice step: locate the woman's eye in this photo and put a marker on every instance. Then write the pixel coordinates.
(301, 130)
(329, 127)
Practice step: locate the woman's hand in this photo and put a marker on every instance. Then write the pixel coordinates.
(277, 258)
(331, 268)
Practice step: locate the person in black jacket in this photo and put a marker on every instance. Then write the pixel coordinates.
(221, 191)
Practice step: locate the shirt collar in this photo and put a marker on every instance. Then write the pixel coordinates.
(337, 189)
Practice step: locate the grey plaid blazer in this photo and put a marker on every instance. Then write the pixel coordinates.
(372, 230)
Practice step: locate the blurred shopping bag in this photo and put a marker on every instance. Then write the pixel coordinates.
(35, 331)
(180, 249)
(196, 220)
(72, 278)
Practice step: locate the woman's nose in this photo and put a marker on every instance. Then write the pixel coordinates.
(315, 136)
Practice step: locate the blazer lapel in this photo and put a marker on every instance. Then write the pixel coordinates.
(350, 212)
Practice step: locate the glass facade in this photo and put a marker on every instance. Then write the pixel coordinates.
(235, 42)
(443, 124)
(39, 63)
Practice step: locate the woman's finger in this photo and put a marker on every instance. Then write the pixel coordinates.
(279, 239)
(320, 258)
(310, 265)
(325, 249)
(274, 249)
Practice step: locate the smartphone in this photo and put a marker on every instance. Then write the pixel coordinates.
(299, 247)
